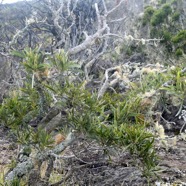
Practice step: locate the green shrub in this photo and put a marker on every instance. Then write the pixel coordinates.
(180, 37)
(149, 11)
(113, 120)
(162, 2)
(178, 52)
(166, 36)
(176, 16)
(157, 18)
(166, 9)
(160, 15)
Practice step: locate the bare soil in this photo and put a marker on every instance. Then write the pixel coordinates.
(100, 171)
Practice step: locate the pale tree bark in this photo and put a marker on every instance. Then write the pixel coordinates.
(24, 168)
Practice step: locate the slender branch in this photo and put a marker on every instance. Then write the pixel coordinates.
(98, 16)
(117, 20)
(106, 84)
(117, 6)
(87, 43)
(33, 79)
(90, 63)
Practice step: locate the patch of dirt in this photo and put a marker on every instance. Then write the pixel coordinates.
(173, 162)
(95, 168)
(8, 149)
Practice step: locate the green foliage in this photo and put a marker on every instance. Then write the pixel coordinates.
(149, 11)
(175, 16)
(34, 60)
(162, 1)
(178, 52)
(177, 89)
(15, 182)
(61, 62)
(179, 42)
(166, 36)
(165, 25)
(161, 89)
(29, 137)
(181, 36)
(42, 139)
(114, 120)
(131, 49)
(167, 10)
(141, 144)
(152, 81)
(160, 15)
(126, 50)
(31, 102)
(157, 18)
(13, 111)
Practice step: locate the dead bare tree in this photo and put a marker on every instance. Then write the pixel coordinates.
(81, 28)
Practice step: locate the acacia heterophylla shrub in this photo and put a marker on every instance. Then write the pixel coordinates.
(112, 120)
(179, 42)
(161, 15)
(176, 90)
(148, 13)
(13, 111)
(33, 100)
(164, 23)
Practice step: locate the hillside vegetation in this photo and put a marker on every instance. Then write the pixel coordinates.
(93, 92)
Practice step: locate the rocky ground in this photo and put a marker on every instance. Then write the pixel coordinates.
(8, 149)
(93, 168)
(173, 162)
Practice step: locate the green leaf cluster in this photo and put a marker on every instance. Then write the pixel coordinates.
(175, 92)
(114, 121)
(33, 59)
(14, 110)
(179, 42)
(148, 13)
(181, 36)
(160, 15)
(31, 103)
(164, 24)
(62, 62)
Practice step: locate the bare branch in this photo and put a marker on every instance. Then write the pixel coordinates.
(20, 170)
(87, 43)
(117, 20)
(117, 6)
(106, 84)
(90, 63)
(98, 16)
(25, 167)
